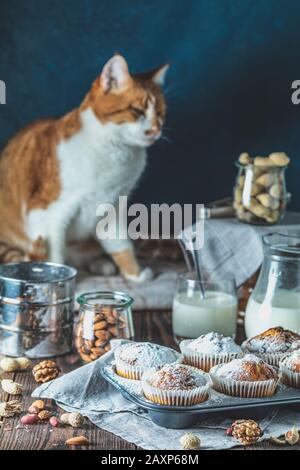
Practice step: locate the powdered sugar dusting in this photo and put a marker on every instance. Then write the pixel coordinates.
(247, 368)
(178, 377)
(275, 340)
(214, 343)
(147, 355)
(292, 362)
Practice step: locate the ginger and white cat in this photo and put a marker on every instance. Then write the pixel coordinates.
(55, 172)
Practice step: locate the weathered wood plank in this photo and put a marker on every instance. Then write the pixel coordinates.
(151, 326)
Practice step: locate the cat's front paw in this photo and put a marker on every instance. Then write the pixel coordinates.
(144, 275)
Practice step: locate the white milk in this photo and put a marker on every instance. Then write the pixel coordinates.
(282, 310)
(193, 316)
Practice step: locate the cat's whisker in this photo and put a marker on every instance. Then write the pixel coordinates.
(173, 91)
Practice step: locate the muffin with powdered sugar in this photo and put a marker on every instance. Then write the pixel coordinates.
(209, 350)
(133, 359)
(248, 377)
(273, 344)
(289, 368)
(176, 385)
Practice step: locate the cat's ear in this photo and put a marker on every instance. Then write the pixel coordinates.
(115, 74)
(158, 75)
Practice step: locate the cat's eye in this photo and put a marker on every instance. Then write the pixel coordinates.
(138, 112)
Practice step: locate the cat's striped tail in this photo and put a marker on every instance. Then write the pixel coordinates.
(11, 254)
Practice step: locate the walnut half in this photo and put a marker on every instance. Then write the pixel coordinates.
(45, 371)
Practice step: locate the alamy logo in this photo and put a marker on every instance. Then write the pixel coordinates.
(295, 96)
(136, 221)
(2, 92)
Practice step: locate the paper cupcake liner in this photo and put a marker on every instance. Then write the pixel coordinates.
(129, 371)
(204, 361)
(244, 389)
(175, 397)
(288, 377)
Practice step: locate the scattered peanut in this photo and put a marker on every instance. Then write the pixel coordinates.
(75, 420)
(9, 364)
(24, 363)
(77, 441)
(10, 408)
(29, 419)
(292, 436)
(11, 387)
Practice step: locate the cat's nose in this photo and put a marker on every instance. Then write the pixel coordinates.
(154, 132)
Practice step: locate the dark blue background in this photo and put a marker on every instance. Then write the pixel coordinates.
(229, 86)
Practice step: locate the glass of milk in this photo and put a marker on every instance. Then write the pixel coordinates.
(275, 300)
(195, 314)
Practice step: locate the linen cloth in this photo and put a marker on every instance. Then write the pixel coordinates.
(86, 391)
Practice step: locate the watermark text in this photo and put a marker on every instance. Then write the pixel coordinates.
(2, 92)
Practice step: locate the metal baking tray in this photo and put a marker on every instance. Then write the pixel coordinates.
(180, 417)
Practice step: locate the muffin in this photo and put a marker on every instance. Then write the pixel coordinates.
(133, 359)
(272, 345)
(290, 369)
(209, 350)
(177, 385)
(247, 377)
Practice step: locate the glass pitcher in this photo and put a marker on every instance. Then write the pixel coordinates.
(275, 300)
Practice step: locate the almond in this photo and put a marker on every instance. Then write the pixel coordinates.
(77, 441)
(103, 335)
(100, 325)
(113, 330)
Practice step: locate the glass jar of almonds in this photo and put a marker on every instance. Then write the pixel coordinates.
(103, 316)
(260, 195)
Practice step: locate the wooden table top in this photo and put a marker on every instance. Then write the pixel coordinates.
(149, 326)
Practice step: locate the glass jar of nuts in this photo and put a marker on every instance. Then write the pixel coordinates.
(260, 192)
(103, 316)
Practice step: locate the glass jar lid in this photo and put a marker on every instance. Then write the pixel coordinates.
(114, 299)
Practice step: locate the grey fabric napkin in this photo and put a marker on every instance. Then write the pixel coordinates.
(85, 390)
(234, 249)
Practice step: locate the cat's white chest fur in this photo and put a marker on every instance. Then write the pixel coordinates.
(95, 168)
